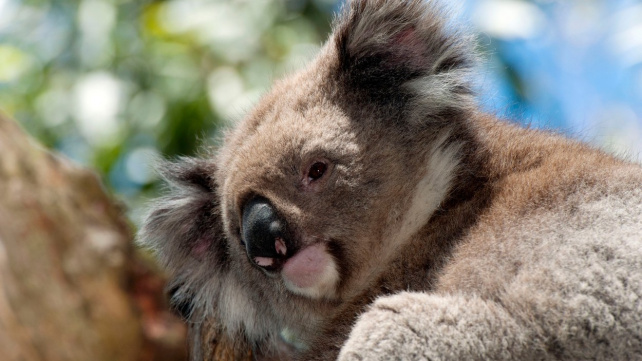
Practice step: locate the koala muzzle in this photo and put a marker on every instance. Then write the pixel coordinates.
(264, 233)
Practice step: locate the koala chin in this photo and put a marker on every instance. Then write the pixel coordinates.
(366, 209)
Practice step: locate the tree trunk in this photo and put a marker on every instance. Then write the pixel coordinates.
(71, 285)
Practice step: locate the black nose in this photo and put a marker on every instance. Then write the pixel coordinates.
(264, 232)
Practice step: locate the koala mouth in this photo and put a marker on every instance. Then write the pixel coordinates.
(310, 270)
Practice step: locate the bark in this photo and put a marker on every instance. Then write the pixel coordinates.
(72, 287)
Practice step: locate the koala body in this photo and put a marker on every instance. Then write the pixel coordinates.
(365, 209)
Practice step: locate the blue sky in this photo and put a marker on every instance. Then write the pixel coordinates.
(579, 64)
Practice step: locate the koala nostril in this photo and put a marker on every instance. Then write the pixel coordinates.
(281, 248)
(263, 232)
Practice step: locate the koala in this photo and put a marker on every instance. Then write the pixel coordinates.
(367, 209)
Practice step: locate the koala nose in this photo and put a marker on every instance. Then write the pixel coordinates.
(264, 233)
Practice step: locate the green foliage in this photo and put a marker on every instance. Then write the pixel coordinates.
(114, 84)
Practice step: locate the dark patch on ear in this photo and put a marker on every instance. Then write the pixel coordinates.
(185, 225)
(383, 45)
(377, 65)
(180, 301)
(452, 62)
(190, 172)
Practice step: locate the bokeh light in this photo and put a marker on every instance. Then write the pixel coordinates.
(117, 84)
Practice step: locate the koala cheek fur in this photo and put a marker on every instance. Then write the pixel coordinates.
(365, 210)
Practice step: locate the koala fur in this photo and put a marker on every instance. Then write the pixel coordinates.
(399, 221)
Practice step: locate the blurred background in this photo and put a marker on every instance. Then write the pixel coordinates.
(112, 84)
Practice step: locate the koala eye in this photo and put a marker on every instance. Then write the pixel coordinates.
(317, 170)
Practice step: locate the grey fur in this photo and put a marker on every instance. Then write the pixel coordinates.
(451, 234)
(576, 295)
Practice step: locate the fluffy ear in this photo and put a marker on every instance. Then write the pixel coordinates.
(185, 230)
(394, 49)
(185, 226)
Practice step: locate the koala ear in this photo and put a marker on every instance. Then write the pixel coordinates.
(185, 226)
(404, 48)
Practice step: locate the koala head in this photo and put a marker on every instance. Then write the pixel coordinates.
(313, 193)
(315, 183)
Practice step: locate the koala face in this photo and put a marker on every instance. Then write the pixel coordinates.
(317, 180)
(312, 195)
(302, 190)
